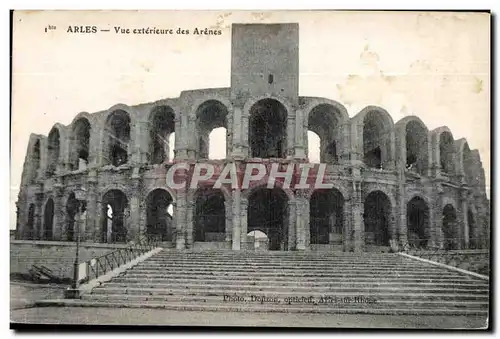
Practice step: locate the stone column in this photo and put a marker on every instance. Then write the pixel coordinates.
(463, 219)
(245, 142)
(300, 147)
(302, 220)
(180, 220)
(344, 142)
(237, 142)
(357, 207)
(436, 218)
(180, 151)
(292, 222)
(92, 229)
(134, 226)
(38, 216)
(290, 137)
(236, 219)
(59, 212)
(228, 208)
(244, 223)
(191, 137)
(401, 212)
(190, 205)
(229, 135)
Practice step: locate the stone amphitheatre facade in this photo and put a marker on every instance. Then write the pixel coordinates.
(394, 183)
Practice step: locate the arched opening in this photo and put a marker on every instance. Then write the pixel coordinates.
(377, 213)
(376, 139)
(48, 220)
(114, 207)
(268, 212)
(324, 121)
(161, 128)
(313, 147)
(416, 147)
(71, 210)
(217, 142)
(54, 149)
(209, 216)
(267, 129)
(160, 214)
(210, 115)
(469, 165)
(473, 237)
(117, 138)
(35, 160)
(258, 239)
(450, 228)
(30, 225)
(326, 217)
(446, 153)
(418, 224)
(80, 144)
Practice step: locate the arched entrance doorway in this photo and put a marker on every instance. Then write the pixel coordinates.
(267, 129)
(377, 215)
(114, 211)
(258, 239)
(209, 216)
(417, 219)
(80, 144)
(450, 228)
(326, 217)
(268, 213)
(159, 221)
(48, 220)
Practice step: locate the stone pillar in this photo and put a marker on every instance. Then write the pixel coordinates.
(190, 223)
(191, 137)
(229, 135)
(344, 143)
(92, 229)
(134, 226)
(357, 207)
(300, 147)
(244, 223)
(180, 220)
(228, 208)
(401, 212)
(292, 222)
(236, 219)
(290, 135)
(302, 221)
(38, 227)
(180, 151)
(436, 218)
(237, 142)
(245, 143)
(59, 212)
(463, 219)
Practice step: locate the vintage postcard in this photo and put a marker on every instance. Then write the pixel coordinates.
(251, 168)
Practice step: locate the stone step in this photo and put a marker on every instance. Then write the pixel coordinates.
(287, 282)
(165, 289)
(227, 307)
(294, 273)
(370, 299)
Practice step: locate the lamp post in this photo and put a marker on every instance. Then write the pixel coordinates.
(80, 197)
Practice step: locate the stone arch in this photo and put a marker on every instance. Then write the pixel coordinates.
(159, 222)
(210, 114)
(377, 137)
(444, 150)
(377, 219)
(326, 216)
(161, 126)
(114, 211)
(267, 127)
(81, 130)
(209, 219)
(48, 220)
(413, 144)
(368, 189)
(169, 190)
(465, 162)
(117, 134)
(268, 209)
(327, 121)
(55, 141)
(418, 222)
(450, 227)
(449, 201)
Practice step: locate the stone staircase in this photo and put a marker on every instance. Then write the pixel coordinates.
(374, 283)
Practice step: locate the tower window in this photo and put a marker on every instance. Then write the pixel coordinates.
(270, 78)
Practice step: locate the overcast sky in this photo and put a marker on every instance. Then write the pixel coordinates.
(434, 66)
